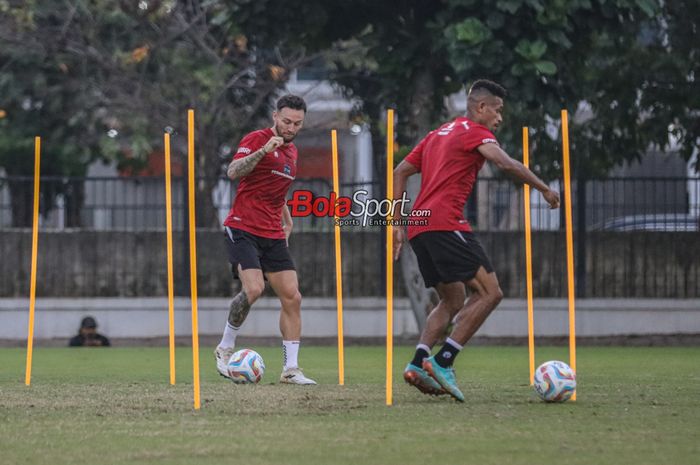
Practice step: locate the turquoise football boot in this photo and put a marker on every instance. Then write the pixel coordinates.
(444, 376)
(418, 377)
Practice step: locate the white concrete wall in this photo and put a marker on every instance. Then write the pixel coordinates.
(148, 317)
(363, 317)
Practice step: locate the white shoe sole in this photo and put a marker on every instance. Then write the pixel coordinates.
(221, 367)
(309, 383)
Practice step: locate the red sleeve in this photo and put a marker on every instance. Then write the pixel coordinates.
(250, 143)
(476, 136)
(416, 156)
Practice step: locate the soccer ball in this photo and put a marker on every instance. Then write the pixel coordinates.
(555, 381)
(246, 367)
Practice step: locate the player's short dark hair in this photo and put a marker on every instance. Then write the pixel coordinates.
(291, 101)
(489, 86)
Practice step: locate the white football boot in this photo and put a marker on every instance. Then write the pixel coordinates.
(222, 356)
(295, 376)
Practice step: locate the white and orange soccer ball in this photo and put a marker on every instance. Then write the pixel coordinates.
(246, 367)
(555, 381)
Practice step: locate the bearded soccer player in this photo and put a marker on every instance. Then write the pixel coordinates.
(257, 229)
(450, 257)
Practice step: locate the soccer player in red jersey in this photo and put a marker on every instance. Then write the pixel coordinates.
(450, 257)
(257, 229)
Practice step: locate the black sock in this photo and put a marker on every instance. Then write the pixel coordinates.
(446, 356)
(420, 355)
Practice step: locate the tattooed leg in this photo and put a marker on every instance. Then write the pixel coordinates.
(239, 309)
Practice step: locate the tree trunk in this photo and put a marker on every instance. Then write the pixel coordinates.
(421, 107)
(423, 300)
(419, 121)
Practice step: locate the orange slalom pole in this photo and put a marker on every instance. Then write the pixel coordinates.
(389, 258)
(528, 262)
(569, 242)
(35, 249)
(338, 264)
(169, 235)
(193, 256)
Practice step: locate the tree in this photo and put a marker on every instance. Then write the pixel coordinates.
(581, 55)
(625, 69)
(105, 78)
(43, 94)
(646, 95)
(606, 58)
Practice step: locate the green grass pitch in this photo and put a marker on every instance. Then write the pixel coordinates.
(115, 406)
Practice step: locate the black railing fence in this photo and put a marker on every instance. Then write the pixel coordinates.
(634, 237)
(138, 203)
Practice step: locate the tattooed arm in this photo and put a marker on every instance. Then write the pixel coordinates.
(244, 166)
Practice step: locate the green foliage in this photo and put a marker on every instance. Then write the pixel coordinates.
(625, 71)
(471, 32)
(625, 68)
(104, 78)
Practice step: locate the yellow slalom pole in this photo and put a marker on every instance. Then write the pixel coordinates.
(338, 264)
(193, 256)
(35, 248)
(528, 262)
(389, 257)
(569, 242)
(169, 234)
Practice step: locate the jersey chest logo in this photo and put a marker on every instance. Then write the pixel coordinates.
(448, 129)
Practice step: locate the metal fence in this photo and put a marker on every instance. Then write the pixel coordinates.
(138, 204)
(633, 236)
(135, 203)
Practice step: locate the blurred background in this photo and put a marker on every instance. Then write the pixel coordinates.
(102, 80)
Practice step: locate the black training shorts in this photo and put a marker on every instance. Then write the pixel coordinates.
(255, 252)
(449, 256)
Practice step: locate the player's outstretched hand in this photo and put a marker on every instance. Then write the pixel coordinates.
(552, 198)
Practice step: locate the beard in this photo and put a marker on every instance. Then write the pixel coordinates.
(287, 138)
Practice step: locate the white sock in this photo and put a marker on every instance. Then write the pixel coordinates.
(290, 354)
(424, 347)
(229, 338)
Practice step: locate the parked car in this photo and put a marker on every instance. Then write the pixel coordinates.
(676, 222)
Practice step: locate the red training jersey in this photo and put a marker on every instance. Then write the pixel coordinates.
(261, 195)
(449, 162)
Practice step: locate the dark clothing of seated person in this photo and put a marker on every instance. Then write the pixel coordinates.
(88, 335)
